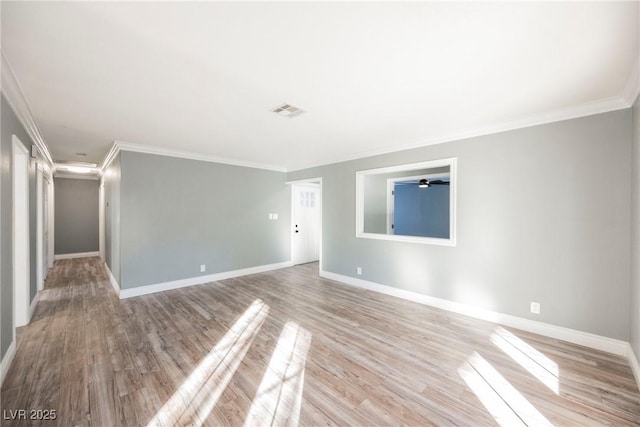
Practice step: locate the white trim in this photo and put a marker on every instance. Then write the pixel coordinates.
(635, 364)
(101, 222)
(320, 204)
(313, 183)
(76, 176)
(18, 102)
(40, 261)
(632, 88)
(305, 181)
(291, 223)
(2, 369)
(20, 238)
(108, 158)
(51, 219)
(77, 255)
(451, 162)
(605, 105)
(163, 151)
(586, 339)
(200, 280)
(114, 282)
(587, 109)
(33, 305)
(6, 361)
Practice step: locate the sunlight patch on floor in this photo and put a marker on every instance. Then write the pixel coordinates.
(497, 407)
(279, 396)
(500, 398)
(192, 403)
(536, 363)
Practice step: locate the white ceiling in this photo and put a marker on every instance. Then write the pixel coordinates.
(372, 77)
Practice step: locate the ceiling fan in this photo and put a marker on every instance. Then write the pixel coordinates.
(425, 183)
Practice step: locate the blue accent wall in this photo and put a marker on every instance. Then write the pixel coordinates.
(421, 211)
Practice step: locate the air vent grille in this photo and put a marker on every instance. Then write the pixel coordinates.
(287, 110)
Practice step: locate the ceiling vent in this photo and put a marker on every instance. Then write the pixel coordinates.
(287, 110)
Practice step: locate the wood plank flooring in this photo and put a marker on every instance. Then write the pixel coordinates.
(287, 347)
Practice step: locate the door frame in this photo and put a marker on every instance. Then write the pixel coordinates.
(40, 228)
(51, 218)
(318, 183)
(43, 194)
(20, 236)
(101, 223)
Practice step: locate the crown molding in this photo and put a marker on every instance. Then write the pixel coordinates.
(163, 151)
(108, 158)
(614, 103)
(15, 97)
(587, 109)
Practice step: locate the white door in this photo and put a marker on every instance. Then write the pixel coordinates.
(305, 223)
(42, 229)
(101, 219)
(40, 243)
(45, 228)
(50, 224)
(21, 262)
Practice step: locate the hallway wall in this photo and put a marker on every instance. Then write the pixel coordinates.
(11, 126)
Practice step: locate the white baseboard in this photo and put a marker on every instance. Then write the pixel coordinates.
(199, 280)
(34, 304)
(586, 339)
(5, 364)
(114, 282)
(76, 255)
(635, 364)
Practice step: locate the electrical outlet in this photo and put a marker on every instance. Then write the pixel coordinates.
(359, 271)
(203, 268)
(535, 307)
(275, 216)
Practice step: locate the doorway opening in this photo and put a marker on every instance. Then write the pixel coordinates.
(419, 205)
(50, 222)
(306, 221)
(21, 262)
(43, 201)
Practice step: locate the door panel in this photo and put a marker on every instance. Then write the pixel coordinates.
(306, 224)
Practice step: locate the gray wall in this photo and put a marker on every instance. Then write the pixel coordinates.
(177, 214)
(111, 181)
(12, 126)
(543, 215)
(634, 318)
(76, 215)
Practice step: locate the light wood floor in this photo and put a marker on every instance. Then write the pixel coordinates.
(203, 354)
